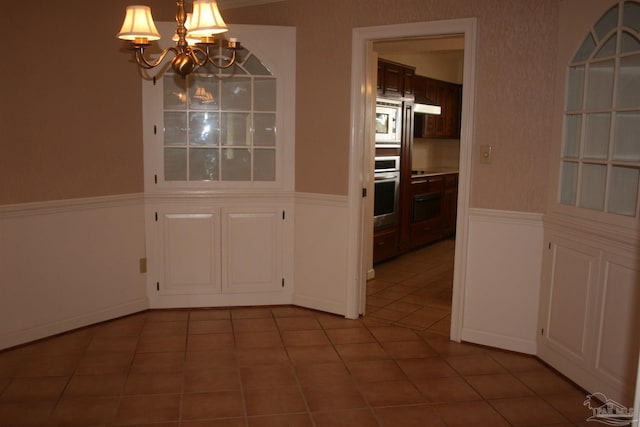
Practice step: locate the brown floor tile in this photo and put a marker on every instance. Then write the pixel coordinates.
(222, 422)
(154, 383)
(274, 401)
(49, 366)
(346, 418)
(388, 315)
(283, 420)
(332, 321)
(528, 411)
(260, 339)
(498, 386)
(361, 351)
(250, 313)
(465, 414)
(376, 370)
(388, 393)
(267, 376)
(349, 335)
(312, 354)
(393, 333)
(161, 343)
(104, 363)
(408, 349)
(26, 414)
(292, 311)
(209, 314)
(546, 382)
(570, 405)
(95, 385)
(146, 363)
(378, 301)
(220, 404)
(446, 390)
(333, 397)
(209, 342)
(167, 315)
(258, 324)
(211, 380)
(305, 338)
(323, 374)
(210, 326)
(149, 409)
(409, 416)
(122, 327)
(220, 358)
(30, 389)
(261, 356)
(165, 328)
(85, 411)
(426, 368)
(515, 362)
(475, 365)
(297, 323)
(113, 343)
(447, 348)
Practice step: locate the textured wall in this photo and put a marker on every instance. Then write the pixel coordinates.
(515, 80)
(70, 118)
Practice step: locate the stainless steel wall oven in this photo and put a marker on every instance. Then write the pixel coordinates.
(387, 189)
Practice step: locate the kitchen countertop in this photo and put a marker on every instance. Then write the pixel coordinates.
(419, 173)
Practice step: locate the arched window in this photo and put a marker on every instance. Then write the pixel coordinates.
(220, 124)
(600, 159)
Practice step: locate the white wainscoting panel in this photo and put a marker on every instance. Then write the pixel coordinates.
(68, 264)
(504, 262)
(321, 252)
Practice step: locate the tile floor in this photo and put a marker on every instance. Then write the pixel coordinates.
(287, 366)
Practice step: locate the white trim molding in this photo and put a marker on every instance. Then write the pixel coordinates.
(68, 264)
(503, 273)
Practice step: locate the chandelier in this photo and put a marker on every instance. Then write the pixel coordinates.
(194, 37)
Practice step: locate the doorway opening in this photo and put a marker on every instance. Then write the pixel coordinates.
(364, 71)
(411, 276)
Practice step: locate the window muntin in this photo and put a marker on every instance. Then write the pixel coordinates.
(220, 124)
(600, 156)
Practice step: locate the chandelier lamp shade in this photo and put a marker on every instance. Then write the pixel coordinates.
(194, 37)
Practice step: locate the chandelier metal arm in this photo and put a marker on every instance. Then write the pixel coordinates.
(149, 63)
(201, 56)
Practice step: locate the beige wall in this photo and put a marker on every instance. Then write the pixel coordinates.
(71, 119)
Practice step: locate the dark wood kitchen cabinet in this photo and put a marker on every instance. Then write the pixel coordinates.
(395, 80)
(385, 244)
(449, 205)
(449, 97)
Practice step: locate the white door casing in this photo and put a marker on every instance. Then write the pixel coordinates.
(363, 92)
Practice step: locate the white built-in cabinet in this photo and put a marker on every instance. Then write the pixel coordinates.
(589, 320)
(219, 255)
(219, 173)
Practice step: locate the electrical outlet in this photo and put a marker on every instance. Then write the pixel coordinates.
(485, 154)
(143, 265)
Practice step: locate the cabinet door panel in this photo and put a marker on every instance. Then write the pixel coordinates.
(251, 251)
(573, 275)
(619, 332)
(190, 253)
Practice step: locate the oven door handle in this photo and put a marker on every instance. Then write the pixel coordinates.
(383, 176)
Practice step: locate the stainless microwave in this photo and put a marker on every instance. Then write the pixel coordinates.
(388, 122)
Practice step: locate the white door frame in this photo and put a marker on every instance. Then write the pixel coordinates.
(363, 92)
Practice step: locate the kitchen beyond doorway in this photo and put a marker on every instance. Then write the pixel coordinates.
(414, 290)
